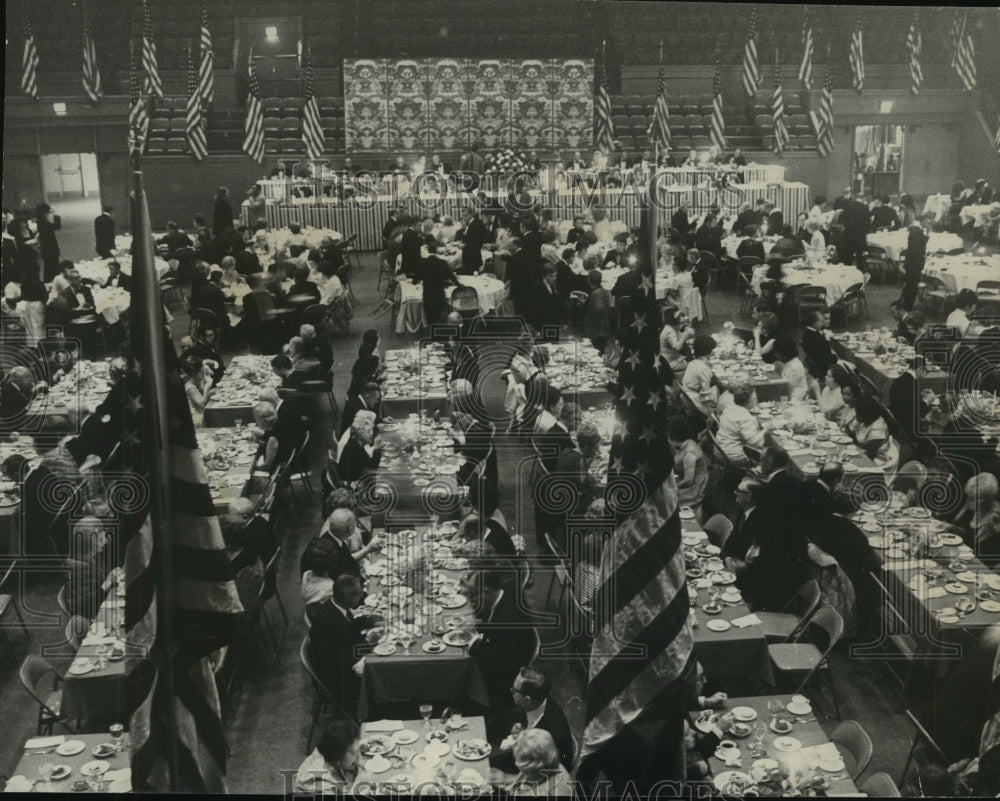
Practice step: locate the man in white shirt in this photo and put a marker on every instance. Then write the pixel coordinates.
(965, 306)
(534, 708)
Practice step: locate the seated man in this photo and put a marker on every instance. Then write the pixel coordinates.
(533, 709)
(341, 528)
(336, 644)
(206, 349)
(303, 292)
(505, 639)
(486, 522)
(279, 437)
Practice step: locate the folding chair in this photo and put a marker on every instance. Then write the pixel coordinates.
(851, 737)
(8, 600)
(880, 785)
(269, 590)
(782, 626)
(323, 699)
(797, 658)
(560, 573)
(35, 675)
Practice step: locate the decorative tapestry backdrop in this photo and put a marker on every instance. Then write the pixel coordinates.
(435, 104)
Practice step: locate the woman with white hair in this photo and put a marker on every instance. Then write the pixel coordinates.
(738, 428)
(982, 517)
(540, 773)
(359, 454)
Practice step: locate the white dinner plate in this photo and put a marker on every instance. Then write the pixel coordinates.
(687, 513)
(451, 601)
(385, 648)
(799, 709)
(433, 647)
(405, 736)
(732, 782)
(81, 667)
(949, 538)
(956, 588)
(831, 764)
(421, 482)
(989, 606)
(97, 767)
(718, 625)
(378, 764)
(71, 747)
(787, 744)
(457, 638)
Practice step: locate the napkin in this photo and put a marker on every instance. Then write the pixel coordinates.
(384, 725)
(800, 451)
(826, 750)
(746, 620)
(123, 774)
(18, 784)
(107, 640)
(44, 742)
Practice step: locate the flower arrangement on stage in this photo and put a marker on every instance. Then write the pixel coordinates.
(506, 161)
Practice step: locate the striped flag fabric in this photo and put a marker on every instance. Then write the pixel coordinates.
(170, 529)
(718, 123)
(824, 134)
(914, 45)
(91, 73)
(778, 113)
(806, 65)
(751, 68)
(152, 84)
(253, 142)
(312, 125)
(641, 663)
(661, 116)
(194, 123)
(206, 66)
(29, 62)
(604, 132)
(857, 57)
(996, 138)
(138, 114)
(964, 59)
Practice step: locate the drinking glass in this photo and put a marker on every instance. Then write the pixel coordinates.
(46, 770)
(406, 639)
(101, 652)
(116, 730)
(774, 706)
(425, 713)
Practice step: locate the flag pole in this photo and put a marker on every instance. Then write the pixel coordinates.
(156, 439)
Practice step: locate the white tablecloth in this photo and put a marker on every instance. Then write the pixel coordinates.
(977, 215)
(97, 269)
(732, 243)
(937, 205)
(894, 243)
(963, 272)
(111, 303)
(411, 297)
(314, 237)
(835, 278)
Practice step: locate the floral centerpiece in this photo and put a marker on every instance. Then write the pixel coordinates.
(506, 161)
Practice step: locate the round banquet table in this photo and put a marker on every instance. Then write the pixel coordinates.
(411, 306)
(732, 244)
(978, 215)
(894, 243)
(110, 303)
(963, 272)
(96, 270)
(835, 278)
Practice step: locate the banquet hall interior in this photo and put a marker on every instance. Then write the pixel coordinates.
(479, 395)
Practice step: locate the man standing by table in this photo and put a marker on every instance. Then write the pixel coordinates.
(819, 354)
(855, 220)
(472, 236)
(913, 265)
(104, 233)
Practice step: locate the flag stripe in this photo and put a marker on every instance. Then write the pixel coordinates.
(857, 57)
(778, 113)
(824, 136)
(152, 84)
(29, 63)
(718, 122)
(661, 116)
(194, 124)
(965, 55)
(312, 125)
(138, 117)
(751, 69)
(206, 67)
(914, 45)
(604, 132)
(91, 72)
(806, 65)
(253, 143)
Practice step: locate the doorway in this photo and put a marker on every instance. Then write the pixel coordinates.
(878, 157)
(71, 185)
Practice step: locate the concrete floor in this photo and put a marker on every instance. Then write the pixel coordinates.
(268, 731)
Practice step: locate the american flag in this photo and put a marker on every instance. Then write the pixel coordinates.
(824, 132)
(778, 113)
(806, 65)
(138, 114)
(152, 85)
(206, 67)
(641, 660)
(604, 132)
(194, 123)
(660, 128)
(857, 57)
(91, 73)
(253, 143)
(751, 69)
(996, 139)
(312, 125)
(964, 57)
(913, 44)
(181, 603)
(718, 123)
(29, 62)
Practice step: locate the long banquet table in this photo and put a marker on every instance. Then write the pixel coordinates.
(115, 778)
(801, 756)
(888, 364)
(366, 217)
(414, 584)
(233, 399)
(416, 380)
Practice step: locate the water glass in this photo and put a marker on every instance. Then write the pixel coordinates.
(116, 730)
(425, 713)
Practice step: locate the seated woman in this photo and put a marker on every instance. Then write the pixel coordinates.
(365, 370)
(540, 773)
(674, 338)
(738, 428)
(317, 562)
(847, 417)
(792, 370)
(198, 383)
(764, 335)
(333, 766)
(360, 455)
(816, 247)
(981, 517)
(871, 434)
(831, 397)
(690, 464)
(699, 381)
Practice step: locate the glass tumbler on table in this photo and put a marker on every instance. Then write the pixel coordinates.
(116, 730)
(425, 712)
(774, 706)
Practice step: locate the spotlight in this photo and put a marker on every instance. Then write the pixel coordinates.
(271, 32)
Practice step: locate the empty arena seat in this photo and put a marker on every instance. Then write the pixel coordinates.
(292, 124)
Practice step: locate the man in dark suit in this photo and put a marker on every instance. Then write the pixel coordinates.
(559, 437)
(597, 310)
(905, 403)
(548, 303)
(368, 398)
(116, 278)
(523, 274)
(534, 708)
(207, 294)
(883, 215)
(505, 639)
(775, 220)
(436, 276)
(174, 239)
(247, 262)
(473, 236)
(222, 212)
(855, 220)
(410, 249)
(337, 645)
(823, 494)
(390, 225)
(207, 350)
(744, 220)
(303, 292)
(819, 354)
(681, 224)
(575, 232)
(76, 299)
(752, 246)
(104, 233)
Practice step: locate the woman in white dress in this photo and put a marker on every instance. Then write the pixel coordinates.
(197, 386)
(332, 767)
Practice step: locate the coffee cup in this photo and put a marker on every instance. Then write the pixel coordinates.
(800, 700)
